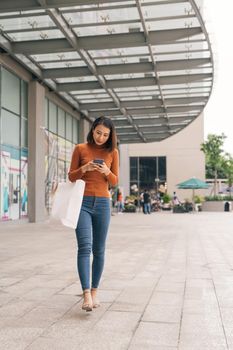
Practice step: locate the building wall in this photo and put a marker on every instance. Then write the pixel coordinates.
(184, 158)
(38, 127)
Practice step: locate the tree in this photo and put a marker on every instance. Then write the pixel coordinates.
(214, 155)
(228, 170)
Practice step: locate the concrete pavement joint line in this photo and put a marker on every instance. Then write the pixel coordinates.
(184, 291)
(153, 290)
(143, 312)
(212, 280)
(67, 286)
(107, 309)
(159, 322)
(220, 314)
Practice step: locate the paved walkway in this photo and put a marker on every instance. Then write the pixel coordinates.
(167, 285)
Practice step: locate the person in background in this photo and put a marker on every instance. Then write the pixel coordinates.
(141, 202)
(97, 163)
(120, 203)
(146, 201)
(175, 199)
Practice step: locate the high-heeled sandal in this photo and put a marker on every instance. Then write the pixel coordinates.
(87, 306)
(95, 301)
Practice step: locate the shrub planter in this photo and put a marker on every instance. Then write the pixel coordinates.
(130, 208)
(166, 206)
(217, 206)
(179, 209)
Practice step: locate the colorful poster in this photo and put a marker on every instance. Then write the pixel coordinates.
(24, 184)
(5, 180)
(10, 183)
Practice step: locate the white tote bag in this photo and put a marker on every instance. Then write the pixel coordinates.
(67, 202)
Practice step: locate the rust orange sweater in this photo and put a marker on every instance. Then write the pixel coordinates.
(96, 183)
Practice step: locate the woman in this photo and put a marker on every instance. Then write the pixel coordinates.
(96, 162)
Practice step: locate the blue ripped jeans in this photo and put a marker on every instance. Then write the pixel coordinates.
(91, 233)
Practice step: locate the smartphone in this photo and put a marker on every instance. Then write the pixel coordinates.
(98, 161)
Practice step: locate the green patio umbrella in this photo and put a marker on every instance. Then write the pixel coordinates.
(193, 184)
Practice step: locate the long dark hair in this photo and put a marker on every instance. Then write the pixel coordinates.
(111, 143)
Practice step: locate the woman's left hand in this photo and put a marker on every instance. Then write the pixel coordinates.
(103, 169)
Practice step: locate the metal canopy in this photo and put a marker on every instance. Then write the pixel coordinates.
(147, 64)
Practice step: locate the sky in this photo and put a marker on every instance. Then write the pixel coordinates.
(218, 113)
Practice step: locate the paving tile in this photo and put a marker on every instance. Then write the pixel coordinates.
(5, 298)
(73, 289)
(16, 308)
(40, 316)
(206, 345)
(167, 298)
(203, 324)
(40, 294)
(108, 296)
(113, 331)
(8, 281)
(132, 299)
(164, 286)
(75, 322)
(60, 301)
(162, 313)
(43, 343)
(197, 306)
(18, 337)
(202, 341)
(156, 334)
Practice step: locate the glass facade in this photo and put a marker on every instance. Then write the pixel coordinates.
(13, 146)
(61, 135)
(147, 173)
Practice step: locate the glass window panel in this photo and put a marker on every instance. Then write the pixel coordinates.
(75, 131)
(52, 117)
(68, 127)
(134, 169)
(10, 128)
(148, 172)
(10, 91)
(26, 22)
(61, 122)
(36, 35)
(101, 15)
(24, 99)
(76, 80)
(162, 169)
(24, 133)
(62, 64)
(61, 148)
(56, 56)
(69, 150)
